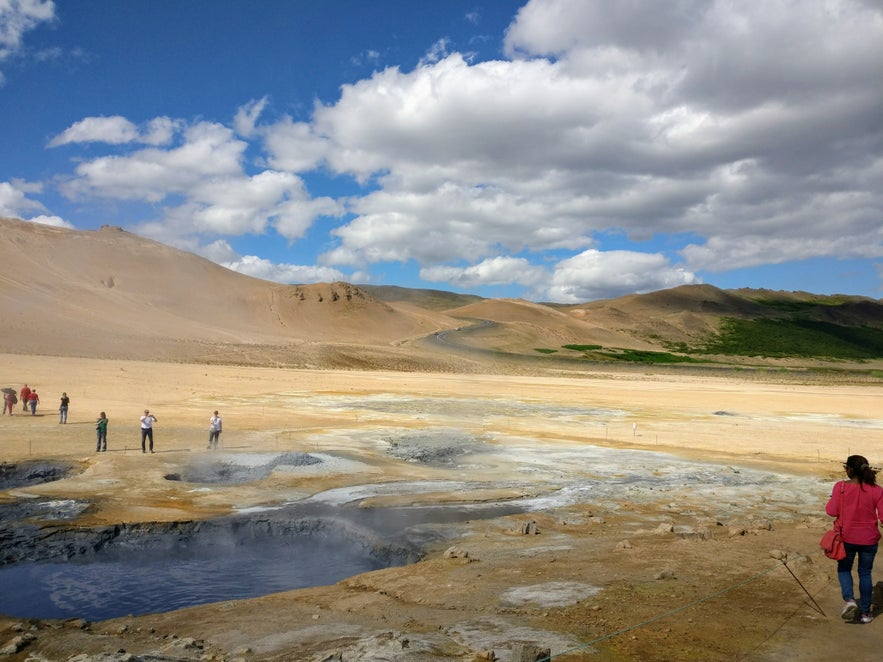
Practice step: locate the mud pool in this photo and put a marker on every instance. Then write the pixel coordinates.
(331, 535)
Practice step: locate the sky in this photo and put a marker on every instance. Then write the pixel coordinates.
(553, 150)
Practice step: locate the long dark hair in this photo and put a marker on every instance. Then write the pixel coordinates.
(857, 467)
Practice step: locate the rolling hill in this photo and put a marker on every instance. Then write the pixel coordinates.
(111, 294)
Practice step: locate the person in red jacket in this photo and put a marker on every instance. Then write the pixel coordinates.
(858, 503)
(33, 401)
(9, 401)
(25, 393)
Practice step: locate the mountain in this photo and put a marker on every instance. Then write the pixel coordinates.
(108, 293)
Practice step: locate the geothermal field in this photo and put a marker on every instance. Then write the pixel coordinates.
(424, 516)
(404, 478)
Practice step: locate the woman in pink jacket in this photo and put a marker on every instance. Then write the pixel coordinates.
(858, 502)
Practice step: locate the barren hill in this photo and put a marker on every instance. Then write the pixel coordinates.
(523, 327)
(111, 293)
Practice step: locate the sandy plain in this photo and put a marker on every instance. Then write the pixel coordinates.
(692, 570)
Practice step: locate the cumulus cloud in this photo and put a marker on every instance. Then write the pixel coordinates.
(117, 130)
(493, 271)
(294, 146)
(150, 174)
(595, 274)
(198, 181)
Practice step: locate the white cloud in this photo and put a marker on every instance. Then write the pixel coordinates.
(151, 174)
(201, 180)
(55, 221)
(294, 146)
(160, 131)
(114, 130)
(247, 116)
(697, 117)
(450, 223)
(15, 203)
(436, 52)
(252, 265)
(117, 130)
(239, 205)
(594, 275)
(221, 252)
(500, 270)
(18, 17)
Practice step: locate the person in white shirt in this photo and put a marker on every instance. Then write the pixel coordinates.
(214, 430)
(147, 422)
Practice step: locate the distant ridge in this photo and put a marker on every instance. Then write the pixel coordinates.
(109, 293)
(426, 298)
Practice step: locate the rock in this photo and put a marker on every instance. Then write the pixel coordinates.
(79, 623)
(665, 574)
(529, 528)
(483, 656)
(16, 644)
(665, 527)
(623, 544)
(456, 552)
(696, 534)
(529, 653)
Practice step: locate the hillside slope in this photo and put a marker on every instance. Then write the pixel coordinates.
(112, 293)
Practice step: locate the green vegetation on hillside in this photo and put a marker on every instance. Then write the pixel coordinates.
(631, 355)
(795, 338)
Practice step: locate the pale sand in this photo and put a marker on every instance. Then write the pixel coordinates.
(805, 427)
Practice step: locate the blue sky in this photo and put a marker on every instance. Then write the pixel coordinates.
(555, 150)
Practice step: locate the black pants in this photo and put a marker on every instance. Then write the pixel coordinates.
(145, 434)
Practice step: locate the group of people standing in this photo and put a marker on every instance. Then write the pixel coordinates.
(29, 400)
(147, 421)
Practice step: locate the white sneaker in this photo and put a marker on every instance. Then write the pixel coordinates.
(849, 610)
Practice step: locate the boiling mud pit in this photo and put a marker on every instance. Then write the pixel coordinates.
(302, 540)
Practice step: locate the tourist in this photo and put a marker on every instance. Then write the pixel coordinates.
(25, 393)
(101, 433)
(62, 408)
(33, 401)
(147, 422)
(214, 430)
(9, 401)
(858, 504)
